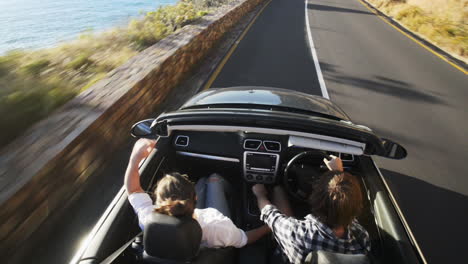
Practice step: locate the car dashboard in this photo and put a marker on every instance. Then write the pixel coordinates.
(260, 157)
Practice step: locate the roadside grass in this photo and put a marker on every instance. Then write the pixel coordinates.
(35, 83)
(443, 22)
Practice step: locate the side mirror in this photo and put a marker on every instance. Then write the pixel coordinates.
(393, 150)
(142, 129)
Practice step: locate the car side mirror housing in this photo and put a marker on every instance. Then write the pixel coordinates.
(393, 150)
(142, 129)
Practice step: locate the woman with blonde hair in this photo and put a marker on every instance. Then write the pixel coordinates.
(177, 196)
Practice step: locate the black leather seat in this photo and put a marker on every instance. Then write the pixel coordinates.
(169, 239)
(325, 257)
(173, 240)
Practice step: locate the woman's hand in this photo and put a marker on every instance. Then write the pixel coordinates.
(334, 163)
(142, 149)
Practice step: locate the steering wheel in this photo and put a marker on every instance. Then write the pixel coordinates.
(299, 178)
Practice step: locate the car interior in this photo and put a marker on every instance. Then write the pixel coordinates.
(245, 158)
(248, 158)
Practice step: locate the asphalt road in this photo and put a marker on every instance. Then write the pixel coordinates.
(274, 52)
(386, 81)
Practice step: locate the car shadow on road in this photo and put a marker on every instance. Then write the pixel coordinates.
(336, 9)
(381, 84)
(437, 216)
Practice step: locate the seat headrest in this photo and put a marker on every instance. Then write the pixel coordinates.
(172, 238)
(325, 257)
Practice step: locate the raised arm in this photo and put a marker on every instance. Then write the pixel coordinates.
(141, 150)
(334, 163)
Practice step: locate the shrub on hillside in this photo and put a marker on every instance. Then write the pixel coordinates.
(34, 83)
(442, 22)
(35, 68)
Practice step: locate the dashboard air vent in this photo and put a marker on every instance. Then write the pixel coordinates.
(252, 144)
(272, 146)
(182, 141)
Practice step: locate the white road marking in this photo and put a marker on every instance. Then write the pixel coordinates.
(323, 87)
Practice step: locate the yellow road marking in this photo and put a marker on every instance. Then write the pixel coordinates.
(232, 49)
(415, 40)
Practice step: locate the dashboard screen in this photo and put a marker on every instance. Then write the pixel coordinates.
(265, 162)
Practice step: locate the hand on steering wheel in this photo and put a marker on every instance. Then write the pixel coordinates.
(335, 163)
(299, 177)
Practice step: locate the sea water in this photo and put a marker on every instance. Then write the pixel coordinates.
(32, 24)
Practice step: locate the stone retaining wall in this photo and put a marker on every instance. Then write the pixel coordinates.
(48, 166)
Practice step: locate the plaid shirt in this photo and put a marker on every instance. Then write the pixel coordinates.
(297, 238)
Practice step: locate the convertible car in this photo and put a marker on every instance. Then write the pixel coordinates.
(252, 135)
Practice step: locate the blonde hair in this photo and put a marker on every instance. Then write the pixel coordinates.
(175, 195)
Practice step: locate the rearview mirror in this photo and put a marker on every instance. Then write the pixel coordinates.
(393, 150)
(142, 129)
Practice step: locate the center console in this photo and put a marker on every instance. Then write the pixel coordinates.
(261, 160)
(260, 164)
(260, 167)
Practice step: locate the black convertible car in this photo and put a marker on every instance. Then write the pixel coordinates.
(253, 135)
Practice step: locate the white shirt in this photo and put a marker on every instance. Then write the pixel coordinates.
(217, 229)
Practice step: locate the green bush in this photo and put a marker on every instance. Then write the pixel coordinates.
(209, 3)
(8, 63)
(24, 106)
(80, 62)
(35, 83)
(4, 69)
(158, 24)
(36, 67)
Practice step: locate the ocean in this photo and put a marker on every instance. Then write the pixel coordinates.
(33, 24)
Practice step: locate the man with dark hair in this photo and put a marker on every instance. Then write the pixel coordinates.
(336, 201)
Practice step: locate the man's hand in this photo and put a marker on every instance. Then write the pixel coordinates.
(334, 163)
(260, 191)
(142, 149)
